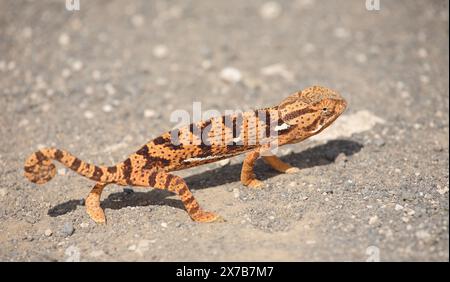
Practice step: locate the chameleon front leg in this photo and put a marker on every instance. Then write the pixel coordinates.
(176, 184)
(279, 165)
(92, 203)
(248, 177)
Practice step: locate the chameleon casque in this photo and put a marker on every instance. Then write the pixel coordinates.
(296, 118)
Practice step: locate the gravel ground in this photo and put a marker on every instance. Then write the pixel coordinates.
(102, 81)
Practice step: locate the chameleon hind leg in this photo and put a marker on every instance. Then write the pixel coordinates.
(279, 165)
(92, 203)
(175, 184)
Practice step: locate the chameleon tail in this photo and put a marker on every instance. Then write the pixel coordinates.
(40, 169)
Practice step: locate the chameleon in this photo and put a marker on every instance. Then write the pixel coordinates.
(299, 116)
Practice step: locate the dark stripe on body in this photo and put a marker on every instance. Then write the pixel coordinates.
(152, 178)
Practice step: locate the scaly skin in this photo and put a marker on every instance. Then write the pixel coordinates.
(296, 118)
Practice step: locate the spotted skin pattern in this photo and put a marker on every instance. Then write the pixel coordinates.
(296, 118)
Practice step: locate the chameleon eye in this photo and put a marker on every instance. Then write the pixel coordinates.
(325, 109)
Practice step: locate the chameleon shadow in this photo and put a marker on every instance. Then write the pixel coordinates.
(316, 156)
(119, 200)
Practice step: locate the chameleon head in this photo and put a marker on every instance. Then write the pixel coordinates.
(311, 110)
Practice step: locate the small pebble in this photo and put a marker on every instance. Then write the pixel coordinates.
(3, 192)
(373, 220)
(379, 142)
(341, 158)
(398, 207)
(160, 51)
(236, 193)
(84, 225)
(231, 75)
(107, 108)
(64, 39)
(89, 115)
(48, 232)
(62, 171)
(164, 225)
(270, 10)
(441, 190)
(67, 229)
(149, 113)
(77, 65)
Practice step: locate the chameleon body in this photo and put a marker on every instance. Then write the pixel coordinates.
(299, 116)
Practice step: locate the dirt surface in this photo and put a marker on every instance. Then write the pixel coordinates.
(102, 81)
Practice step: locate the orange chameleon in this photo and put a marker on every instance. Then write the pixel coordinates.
(299, 116)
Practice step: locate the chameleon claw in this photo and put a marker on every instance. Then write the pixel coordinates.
(97, 215)
(204, 216)
(256, 184)
(292, 170)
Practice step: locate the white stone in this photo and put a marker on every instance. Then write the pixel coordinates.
(3, 192)
(89, 115)
(77, 65)
(48, 232)
(160, 51)
(236, 193)
(164, 225)
(62, 171)
(441, 190)
(270, 10)
(149, 113)
(107, 108)
(398, 207)
(231, 75)
(64, 39)
(373, 220)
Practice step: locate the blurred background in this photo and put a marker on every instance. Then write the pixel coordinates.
(103, 79)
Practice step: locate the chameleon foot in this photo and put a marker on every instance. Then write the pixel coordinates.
(97, 214)
(256, 184)
(204, 216)
(93, 204)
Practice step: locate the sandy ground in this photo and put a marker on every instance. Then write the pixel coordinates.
(102, 81)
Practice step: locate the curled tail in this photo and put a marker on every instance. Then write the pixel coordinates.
(40, 169)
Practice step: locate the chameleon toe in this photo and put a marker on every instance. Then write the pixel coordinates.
(292, 170)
